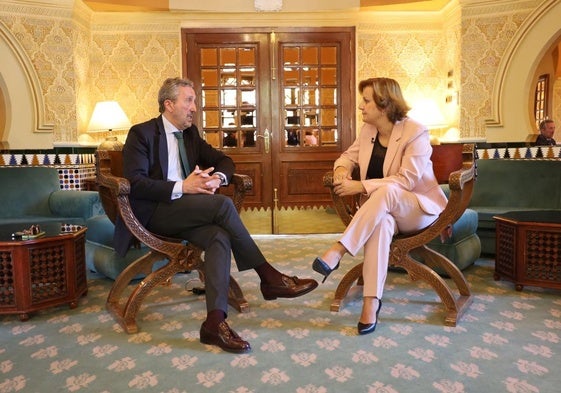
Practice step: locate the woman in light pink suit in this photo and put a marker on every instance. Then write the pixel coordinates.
(398, 188)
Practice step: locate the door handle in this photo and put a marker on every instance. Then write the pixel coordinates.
(266, 139)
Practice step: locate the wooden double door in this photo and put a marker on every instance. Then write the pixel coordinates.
(280, 102)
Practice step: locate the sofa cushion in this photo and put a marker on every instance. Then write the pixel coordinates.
(463, 253)
(27, 221)
(517, 184)
(465, 226)
(504, 185)
(100, 230)
(25, 191)
(100, 254)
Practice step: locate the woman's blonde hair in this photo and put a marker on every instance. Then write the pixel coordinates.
(387, 96)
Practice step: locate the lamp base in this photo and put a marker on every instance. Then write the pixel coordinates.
(111, 143)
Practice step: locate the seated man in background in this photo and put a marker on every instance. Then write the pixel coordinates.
(171, 199)
(547, 129)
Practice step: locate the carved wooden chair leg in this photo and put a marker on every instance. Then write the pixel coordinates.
(142, 290)
(434, 260)
(355, 274)
(464, 299)
(454, 307)
(115, 303)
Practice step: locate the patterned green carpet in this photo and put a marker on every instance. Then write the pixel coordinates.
(508, 341)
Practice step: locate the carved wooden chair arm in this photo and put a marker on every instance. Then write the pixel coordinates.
(461, 187)
(117, 185)
(242, 184)
(120, 189)
(345, 207)
(328, 179)
(114, 192)
(460, 184)
(457, 203)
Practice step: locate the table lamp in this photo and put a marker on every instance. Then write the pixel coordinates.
(428, 113)
(107, 117)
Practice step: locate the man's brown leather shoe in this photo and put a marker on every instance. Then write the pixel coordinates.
(290, 287)
(225, 338)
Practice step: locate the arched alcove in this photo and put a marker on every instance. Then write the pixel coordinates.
(25, 125)
(510, 119)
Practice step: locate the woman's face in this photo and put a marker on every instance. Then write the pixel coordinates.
(371, 114)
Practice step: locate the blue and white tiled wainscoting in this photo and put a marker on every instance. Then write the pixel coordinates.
(74, 165)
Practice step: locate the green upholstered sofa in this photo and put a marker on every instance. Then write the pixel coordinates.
(463, 247)
(100, 253)
(511, 185)
(32, 195)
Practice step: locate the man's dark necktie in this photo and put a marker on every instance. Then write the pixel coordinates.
(182, 153)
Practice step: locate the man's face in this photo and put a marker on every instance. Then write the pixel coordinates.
(181, 111)
(549, 130)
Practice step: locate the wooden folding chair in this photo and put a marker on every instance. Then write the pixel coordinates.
(114, 191)
(454, 164)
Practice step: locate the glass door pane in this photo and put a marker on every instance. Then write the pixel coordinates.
(228, 78)
(310, 101)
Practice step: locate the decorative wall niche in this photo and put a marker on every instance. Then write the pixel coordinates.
(23, 109)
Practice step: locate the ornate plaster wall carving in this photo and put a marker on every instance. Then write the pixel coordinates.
(130, 66)
(80, 57)
(45, 38)
(21, 89)
(510, 117)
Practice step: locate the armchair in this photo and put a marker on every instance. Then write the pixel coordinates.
(114, 192)
(454, 164)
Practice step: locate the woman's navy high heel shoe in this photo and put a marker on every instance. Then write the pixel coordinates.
(365, 328)
(321, 267)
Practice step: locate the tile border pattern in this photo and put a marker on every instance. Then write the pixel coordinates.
(73, 169)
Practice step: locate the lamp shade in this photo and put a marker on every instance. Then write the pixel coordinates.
(108, 116)
(427, 113)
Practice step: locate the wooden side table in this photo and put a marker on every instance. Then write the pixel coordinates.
(43, 272)
(529, 248)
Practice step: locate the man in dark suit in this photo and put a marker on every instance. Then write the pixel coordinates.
(547, 129)
(170, 203)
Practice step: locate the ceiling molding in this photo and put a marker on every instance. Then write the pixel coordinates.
(236, 6)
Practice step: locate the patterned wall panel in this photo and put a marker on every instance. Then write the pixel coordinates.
(556, 110)
(47, 34)
(130, 66)
(80, 60)
(486, 32)
(416, 59)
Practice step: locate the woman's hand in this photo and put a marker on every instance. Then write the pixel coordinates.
(339, 174)
(343, 183)
(348, 187)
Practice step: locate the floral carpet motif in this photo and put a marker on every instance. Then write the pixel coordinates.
(508, 341)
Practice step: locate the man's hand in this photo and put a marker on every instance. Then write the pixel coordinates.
(201, 182)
